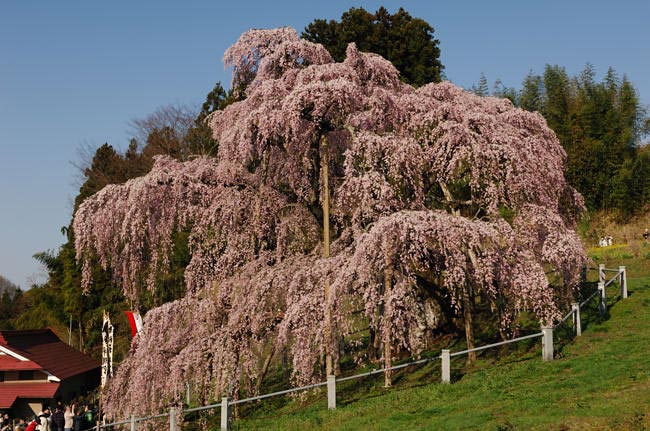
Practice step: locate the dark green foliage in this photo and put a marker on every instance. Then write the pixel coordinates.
(199, 136)
(406, 41)
(600, 125)
(482, 88)
(531, 95)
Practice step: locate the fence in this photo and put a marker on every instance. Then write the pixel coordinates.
(546, 335)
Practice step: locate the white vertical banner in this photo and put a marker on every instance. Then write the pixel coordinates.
(107, 349)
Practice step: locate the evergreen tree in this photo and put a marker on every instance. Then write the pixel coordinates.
(600, 125)
(482, 88)
(531, 95)
(406, 41)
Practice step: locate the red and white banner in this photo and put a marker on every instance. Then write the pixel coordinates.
(135, 320)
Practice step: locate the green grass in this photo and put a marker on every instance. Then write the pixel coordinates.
(598, 381)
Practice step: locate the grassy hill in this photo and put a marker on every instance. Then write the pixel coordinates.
(598, 381)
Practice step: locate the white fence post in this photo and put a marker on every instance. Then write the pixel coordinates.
(446, 366)
(172, 419)
(331, 392)
(225, 414)
(132, 423)
(547, 343)
(623, 279)
(601, 273)
(577, 326)
(602, 298)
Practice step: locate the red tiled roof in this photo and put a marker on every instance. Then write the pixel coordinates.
(43, 347)
(10, 391)
(9, 363)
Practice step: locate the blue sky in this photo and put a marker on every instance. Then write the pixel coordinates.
(74, 73)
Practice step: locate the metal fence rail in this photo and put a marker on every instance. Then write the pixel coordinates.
(547, 354)
(500, 343)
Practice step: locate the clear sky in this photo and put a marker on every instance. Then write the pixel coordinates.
(75, 72)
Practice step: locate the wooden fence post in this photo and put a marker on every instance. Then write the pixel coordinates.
(446, 366)
(547, 343)
(331, 392)
(172, 419)
(601, 273)
(225, 414)
(577, 325)
(623, 279)
(602, 298)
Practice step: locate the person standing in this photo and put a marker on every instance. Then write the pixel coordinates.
(32, 425)
(43, 419)
(57, 419)
(68, 418)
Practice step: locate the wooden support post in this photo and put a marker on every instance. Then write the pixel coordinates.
(446, 366)
(225, 414)
(601, 273)
(623, 279)
(577, 325)
(172, 419)
(547, 343)
(602, 302)
(331, 392)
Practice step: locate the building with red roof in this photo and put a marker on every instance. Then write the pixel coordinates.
(36, 367)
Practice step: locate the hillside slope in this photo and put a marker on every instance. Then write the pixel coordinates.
(598, 381)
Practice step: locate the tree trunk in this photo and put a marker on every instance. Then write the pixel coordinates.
(469, 330)
(388, 290)
(265, 369)
(325, 199)
(373, 348)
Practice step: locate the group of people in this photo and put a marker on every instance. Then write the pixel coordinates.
(59, 418)
(605, 241)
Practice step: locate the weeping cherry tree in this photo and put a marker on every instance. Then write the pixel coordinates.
(338, 191)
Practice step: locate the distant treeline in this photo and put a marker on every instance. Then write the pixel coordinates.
(600, 125)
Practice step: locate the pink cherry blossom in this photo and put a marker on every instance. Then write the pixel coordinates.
(435, 190)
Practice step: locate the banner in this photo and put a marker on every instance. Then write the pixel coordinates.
(107, 349)
(136, 322)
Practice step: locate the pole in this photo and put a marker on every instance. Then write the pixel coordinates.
(547, 343)
(602, 303)
(601, 273)
(577, 325)
(331, 392)
(623, 278)
(132, 423)
(70, 332)
(225, 414)
(446, 366)
(172, 419)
